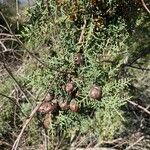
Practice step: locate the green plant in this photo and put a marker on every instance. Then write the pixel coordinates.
(103, 53)
(87, 44)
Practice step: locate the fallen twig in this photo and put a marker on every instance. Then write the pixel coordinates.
(139, 106)
(8, 39)
(140, 68)
(18, 84)
(5, 143)
(8, 35)
(14, 101)
(16, 143)
(144, 5)
(98, 148)
(140, 139)
(10, 73)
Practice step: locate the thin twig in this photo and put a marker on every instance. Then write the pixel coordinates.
(11, 74)
(82, 32)
(5, 143)
(139, 106)
(14, 101)
(95, 148)
(19, 41)
(81, 141)
(46, 138)
(3, 45)
(18, 84)
(28, 51)
(140, 68)
(135, 58)
(10, 98)
(8, 39)
(16, 143)
(140, 139)
(8, 35)
(144, 5)
(8, 50)
(110, 141)
(3, 27)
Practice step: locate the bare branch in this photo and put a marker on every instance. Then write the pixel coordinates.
(140, 68)
(16, 143)
(139, 106)
(140, 139)
(18, 84)
(14, 101)
(144, 5)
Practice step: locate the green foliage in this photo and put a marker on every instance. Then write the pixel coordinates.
(108, 44)
(52, 34)
(6, 108)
